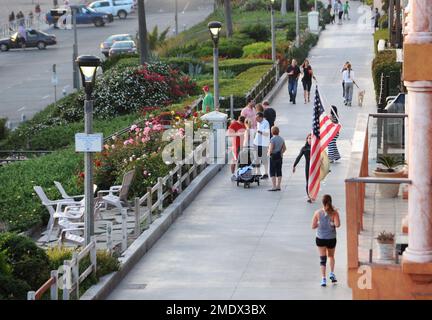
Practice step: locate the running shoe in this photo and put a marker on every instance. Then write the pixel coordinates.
(323, 282)
(265, 176)
(333, 277)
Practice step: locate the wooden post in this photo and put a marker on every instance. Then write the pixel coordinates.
(351, 223)
(137, 230)
(75, 273)
(54, 287)
(160, 194)
(179, 177)
(170, 187)
(149, 205)
(66, 279)
(31, 295)
(124, 229)
(109, 236)
(187, 176)
(93, 254)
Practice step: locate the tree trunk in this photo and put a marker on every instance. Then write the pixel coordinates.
(284, 7)
(228, 19)
(142, 27)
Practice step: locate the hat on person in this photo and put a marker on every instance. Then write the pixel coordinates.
(206, 88)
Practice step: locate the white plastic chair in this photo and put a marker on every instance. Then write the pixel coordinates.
(121, 199)
(57, 209)
(64, 194)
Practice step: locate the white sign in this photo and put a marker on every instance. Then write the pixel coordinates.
(88, 142)
(54, 79)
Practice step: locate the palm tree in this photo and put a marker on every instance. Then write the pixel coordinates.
(155, 39)
(228, 19)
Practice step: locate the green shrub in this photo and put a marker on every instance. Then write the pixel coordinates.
(12, 288)
(3, 129)
(57, 256)
(106, 263)
(257, 31)
(20, 208)
(291, 32)
(385, 63)
(254, 5)
(29, 262)
(37, 137)
(238, 66)
(383, 21)
(256, 50)
(184, 63)
(112, 61)
(128, 62)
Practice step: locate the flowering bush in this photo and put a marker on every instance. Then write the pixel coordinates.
(126, 90)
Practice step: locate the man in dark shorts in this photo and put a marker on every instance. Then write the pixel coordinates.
(293, 74)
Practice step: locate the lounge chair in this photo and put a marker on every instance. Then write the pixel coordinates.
(117, 195)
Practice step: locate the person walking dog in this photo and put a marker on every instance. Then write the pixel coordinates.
(325, 221)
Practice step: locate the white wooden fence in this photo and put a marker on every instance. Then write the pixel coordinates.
(71, 278)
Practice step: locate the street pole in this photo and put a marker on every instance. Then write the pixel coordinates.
(273, 36)
(88, 169)
(176, 17)
(76, 81)
(316, 5)
(297, 9)
(142, 28)
(216, 76)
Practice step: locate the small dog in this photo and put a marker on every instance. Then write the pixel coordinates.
(361, 97)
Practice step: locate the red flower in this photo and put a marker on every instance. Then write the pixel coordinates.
(98, 163)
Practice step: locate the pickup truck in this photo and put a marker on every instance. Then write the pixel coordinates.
(118, 8)
(84, 15)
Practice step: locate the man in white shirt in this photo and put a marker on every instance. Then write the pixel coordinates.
(261, 142)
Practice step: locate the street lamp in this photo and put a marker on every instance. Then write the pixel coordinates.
(297, 10)
(88, 66)
(273, 36)
(215, 28)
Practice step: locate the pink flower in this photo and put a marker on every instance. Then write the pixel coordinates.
(131, 141)
(133, 127)
(147, 131)
(137, 129)
(126, 142)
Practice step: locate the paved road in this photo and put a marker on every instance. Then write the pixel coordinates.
(25, 75)
(235, 243)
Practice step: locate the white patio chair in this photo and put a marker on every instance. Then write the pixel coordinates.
(64, 194)
(120, 200)
(71, 232)
(56, 209)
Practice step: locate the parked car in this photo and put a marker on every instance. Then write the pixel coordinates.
(35, 39)
(84, 15)
(118, 8)
(123, 47)
(108, 42)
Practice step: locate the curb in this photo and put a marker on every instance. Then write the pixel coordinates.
(149, 237)
(269, 97)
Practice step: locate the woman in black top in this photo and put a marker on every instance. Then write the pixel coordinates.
(307, 72)
(305, 151)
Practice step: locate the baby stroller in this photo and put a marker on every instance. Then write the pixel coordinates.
(246, 171)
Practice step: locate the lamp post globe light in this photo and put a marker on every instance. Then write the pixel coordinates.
(215, 28)
(88, 66)
(273, 35)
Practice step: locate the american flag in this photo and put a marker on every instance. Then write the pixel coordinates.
(323, 132)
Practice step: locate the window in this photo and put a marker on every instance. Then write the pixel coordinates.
(104, 4)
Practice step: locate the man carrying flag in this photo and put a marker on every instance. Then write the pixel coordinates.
(323, 131)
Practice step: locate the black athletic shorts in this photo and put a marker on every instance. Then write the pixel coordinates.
(328, 243)
(307, 85)
(276, 168)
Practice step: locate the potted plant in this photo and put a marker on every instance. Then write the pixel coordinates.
(385, 245)
(390, 168)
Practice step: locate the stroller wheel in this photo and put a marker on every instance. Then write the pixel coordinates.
(258, 182)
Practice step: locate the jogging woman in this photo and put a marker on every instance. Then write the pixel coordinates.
(326, 220)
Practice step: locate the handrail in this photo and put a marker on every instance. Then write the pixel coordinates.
(379, 180)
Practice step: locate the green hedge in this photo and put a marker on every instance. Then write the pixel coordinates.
(385, 63)
(36, 137)
(20, 208)
(3, 129)
(238, 66)
(257, 49)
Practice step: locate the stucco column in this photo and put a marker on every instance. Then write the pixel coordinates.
(418, 80)
(420, 172)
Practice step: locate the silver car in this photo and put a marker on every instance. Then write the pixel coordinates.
(108, 42)
(122, 47)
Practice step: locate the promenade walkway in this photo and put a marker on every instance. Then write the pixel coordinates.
(235, 243)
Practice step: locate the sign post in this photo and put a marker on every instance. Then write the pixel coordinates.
(54, 81)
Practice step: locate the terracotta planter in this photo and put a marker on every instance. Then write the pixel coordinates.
(388, 190)
(386, 251)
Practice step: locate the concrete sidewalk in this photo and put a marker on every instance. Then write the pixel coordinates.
(236, 243)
